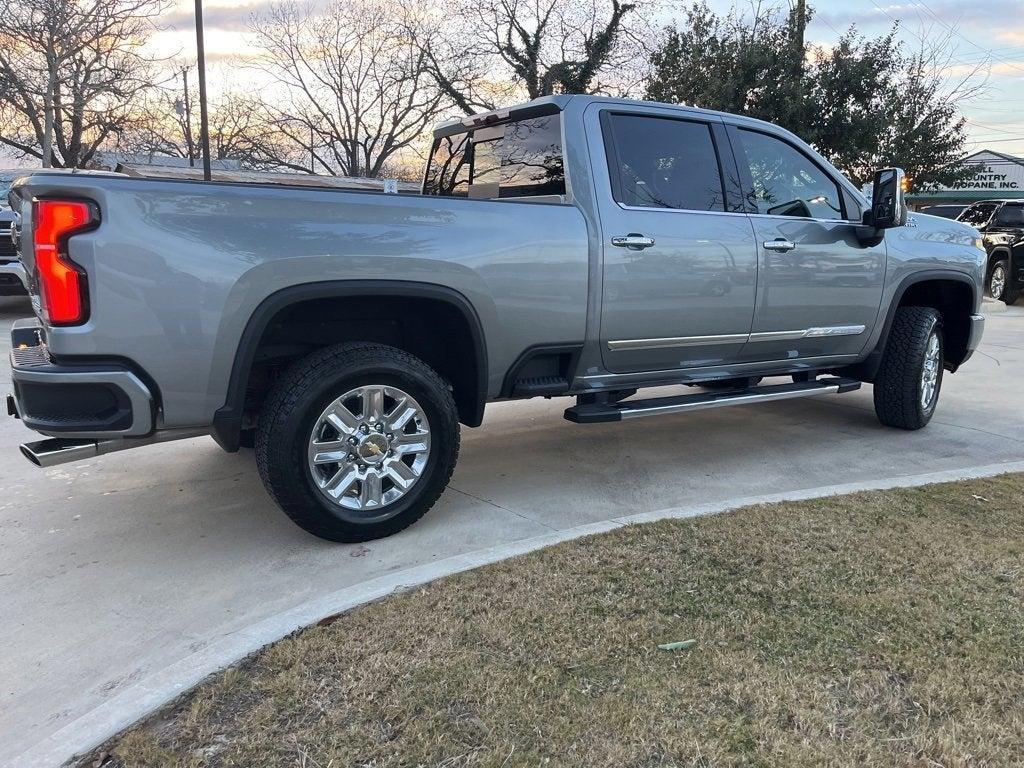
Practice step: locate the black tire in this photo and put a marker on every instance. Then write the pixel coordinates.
(747, 381)
(1005, 293)
(290, 413)
(898, 386)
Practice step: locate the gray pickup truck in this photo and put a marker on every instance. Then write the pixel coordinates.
(574, 246)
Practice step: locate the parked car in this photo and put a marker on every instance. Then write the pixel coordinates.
(945, 210)
(1001, 223)
(12, 274)
(347, 334)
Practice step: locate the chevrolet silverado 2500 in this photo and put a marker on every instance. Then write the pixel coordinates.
(572, 246)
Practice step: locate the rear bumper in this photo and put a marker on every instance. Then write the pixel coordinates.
(75, 401)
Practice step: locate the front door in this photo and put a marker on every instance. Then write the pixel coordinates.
(819, 288)
(680, 272)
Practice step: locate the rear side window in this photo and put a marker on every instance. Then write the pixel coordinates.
(786, 181)
(663, 163)
(517, 159)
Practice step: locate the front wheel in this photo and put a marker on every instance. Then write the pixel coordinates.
(999, 283)
(357, 441)
(909, 379)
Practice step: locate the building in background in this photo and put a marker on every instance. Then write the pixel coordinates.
(998, 176)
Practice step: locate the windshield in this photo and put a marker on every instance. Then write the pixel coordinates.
(5, 187)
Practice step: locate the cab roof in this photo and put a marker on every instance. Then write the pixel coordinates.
(558, 103)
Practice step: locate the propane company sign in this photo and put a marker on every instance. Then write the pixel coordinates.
(993, 173)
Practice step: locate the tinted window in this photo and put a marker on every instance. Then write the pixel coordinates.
(448, 169)
(531, 158)
(520, 159)
(977, 215)
(1011, 216)
(786, 181)
(945, 211)
(664, 163)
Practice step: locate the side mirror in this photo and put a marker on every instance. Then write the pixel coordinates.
(888, 203)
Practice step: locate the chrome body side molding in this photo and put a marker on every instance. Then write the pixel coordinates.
(677, 341)
(736, 338)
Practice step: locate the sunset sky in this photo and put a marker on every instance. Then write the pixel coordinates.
(980, 31)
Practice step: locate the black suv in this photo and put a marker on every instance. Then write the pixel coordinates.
(1001, 223)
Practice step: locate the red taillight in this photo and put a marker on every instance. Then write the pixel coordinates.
(61, 282)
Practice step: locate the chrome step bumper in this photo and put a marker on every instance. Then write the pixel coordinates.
(594, 413)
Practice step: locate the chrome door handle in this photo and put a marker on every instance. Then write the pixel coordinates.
(779, 245)
(634, 241)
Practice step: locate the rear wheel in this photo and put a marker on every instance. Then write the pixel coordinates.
(906, 387)
(357, 441)
(999, 283)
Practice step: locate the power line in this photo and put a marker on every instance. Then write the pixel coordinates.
(996, 141)
(956, 32)
(994, 128)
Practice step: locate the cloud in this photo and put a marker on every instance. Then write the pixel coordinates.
(978, 15)
(225, 17)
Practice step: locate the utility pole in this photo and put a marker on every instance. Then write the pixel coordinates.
(800, 14)
(798, 27)
(48, 106)
(188, 121)
(204, 122)
(312, 157)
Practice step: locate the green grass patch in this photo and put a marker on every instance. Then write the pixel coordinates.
(882, 628)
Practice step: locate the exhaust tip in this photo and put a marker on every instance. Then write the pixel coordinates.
(29, 454)
(58, 450)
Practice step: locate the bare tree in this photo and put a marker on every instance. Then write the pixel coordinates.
(240, 129)
(355, 92)
(482, 52)
(71, 72)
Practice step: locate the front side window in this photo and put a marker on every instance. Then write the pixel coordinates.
(517, 159)
(786, 181)
(663, 163)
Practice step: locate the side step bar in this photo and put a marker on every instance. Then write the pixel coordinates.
(594, 413)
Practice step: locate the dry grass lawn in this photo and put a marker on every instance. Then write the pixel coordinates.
(874, 629)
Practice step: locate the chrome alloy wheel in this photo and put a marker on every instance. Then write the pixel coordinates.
(930, 371)
(368, 449)
(997, 282)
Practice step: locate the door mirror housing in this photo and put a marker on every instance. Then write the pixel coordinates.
(888, 200)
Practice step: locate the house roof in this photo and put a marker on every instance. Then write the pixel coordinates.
(1002, 155)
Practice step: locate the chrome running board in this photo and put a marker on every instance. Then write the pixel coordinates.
(598, 412)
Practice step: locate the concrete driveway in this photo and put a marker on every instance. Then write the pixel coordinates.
(118, 573)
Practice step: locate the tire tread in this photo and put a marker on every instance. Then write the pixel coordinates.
(278, 464)
(897, 382)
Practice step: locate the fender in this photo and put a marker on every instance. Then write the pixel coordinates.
(227, 421)
(867, 368)
(999, 252)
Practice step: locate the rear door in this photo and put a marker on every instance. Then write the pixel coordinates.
(679, 266)
(819, 288)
